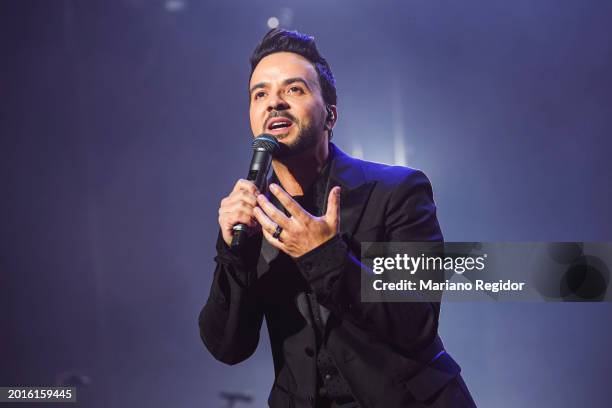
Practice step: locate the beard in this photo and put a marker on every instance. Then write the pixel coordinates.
(306, 138)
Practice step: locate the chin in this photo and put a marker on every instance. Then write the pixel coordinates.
(282, 136)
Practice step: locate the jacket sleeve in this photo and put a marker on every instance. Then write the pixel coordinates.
(231, 319)
(334, 272)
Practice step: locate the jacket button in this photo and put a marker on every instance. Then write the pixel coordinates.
(309, 352)
(308, 266)
(328, 376)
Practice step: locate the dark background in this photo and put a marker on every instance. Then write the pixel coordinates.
(124, 123)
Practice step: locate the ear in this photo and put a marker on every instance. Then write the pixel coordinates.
(332, 116)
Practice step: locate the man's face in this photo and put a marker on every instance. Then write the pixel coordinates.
(286, 101)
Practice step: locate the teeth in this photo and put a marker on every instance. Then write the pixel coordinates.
(279, 124)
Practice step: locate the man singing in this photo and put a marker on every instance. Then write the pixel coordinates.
(300, 267)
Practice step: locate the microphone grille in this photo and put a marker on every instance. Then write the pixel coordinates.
(265, 142)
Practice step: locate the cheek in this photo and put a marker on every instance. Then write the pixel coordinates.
(315, 111)
(255, 120)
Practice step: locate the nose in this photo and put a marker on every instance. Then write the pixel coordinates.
(275, 102)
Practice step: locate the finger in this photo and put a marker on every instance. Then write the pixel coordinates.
(237, 208)
(245, 196)
(289, 203)
(266, 223)
(232, 218)
(333, 206)
(237, 199)
(245, 185)
(271, 211)
(273, 241)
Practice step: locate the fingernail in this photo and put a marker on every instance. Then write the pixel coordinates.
(273, 187)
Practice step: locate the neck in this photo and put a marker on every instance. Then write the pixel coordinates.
(297, 173)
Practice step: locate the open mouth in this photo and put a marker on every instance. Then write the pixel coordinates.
(279, 125)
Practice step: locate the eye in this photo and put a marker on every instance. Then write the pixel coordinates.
(296, 89)
(259, 94)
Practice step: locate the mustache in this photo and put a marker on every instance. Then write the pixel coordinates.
(278, 114)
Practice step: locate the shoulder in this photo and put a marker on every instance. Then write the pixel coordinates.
(390, 178)
(387, 178)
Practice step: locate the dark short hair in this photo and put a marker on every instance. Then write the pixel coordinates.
(280, 40)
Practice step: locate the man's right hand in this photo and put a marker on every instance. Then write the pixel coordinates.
(237, 208)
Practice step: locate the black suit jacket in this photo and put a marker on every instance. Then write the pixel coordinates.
(388, 353)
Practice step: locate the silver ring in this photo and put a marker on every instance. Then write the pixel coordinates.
(277, 232)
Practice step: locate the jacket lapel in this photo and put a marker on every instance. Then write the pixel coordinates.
(348, 173)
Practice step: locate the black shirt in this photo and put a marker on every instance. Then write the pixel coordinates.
(333, 390)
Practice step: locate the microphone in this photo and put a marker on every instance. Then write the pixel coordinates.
(264, 147)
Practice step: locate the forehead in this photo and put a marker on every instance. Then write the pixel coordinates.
(283, 65)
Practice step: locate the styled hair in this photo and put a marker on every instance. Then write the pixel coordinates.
(280, 40)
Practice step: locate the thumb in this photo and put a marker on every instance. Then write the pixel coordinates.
(333, 206)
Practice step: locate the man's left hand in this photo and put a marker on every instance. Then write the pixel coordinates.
(302, 231)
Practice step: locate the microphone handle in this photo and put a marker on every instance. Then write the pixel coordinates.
(258, 173)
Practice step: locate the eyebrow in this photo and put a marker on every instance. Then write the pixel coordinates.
(285, 83)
